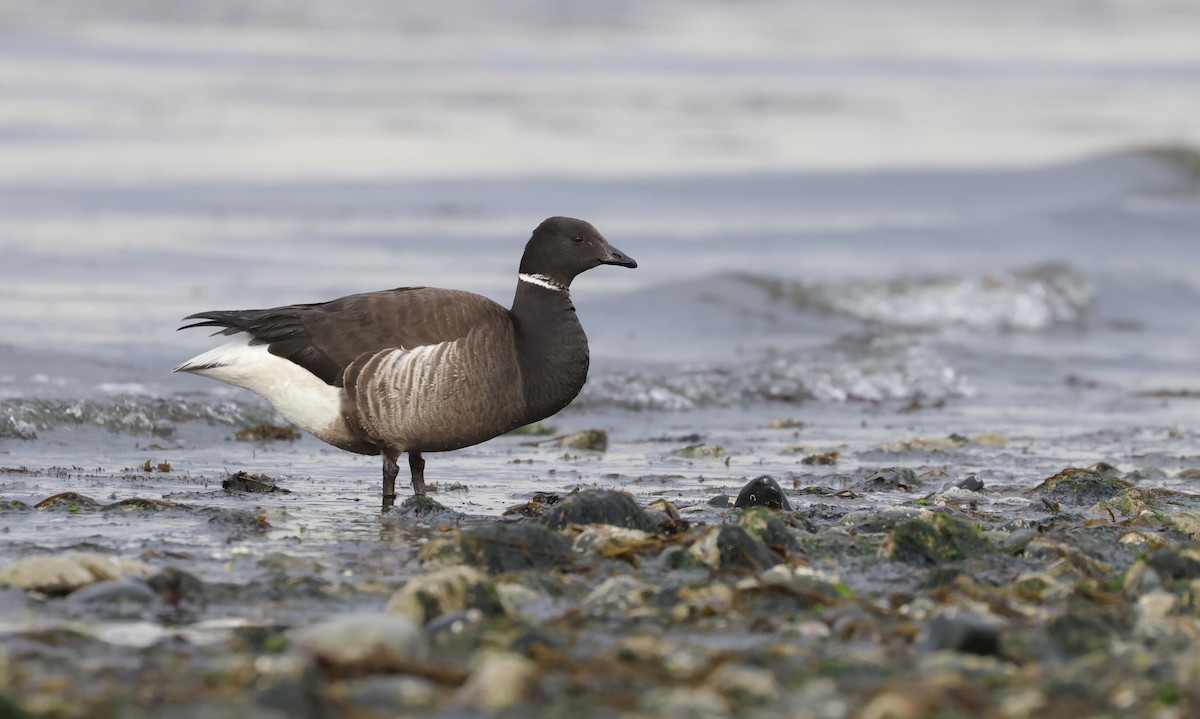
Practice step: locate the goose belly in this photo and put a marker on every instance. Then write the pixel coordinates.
(439, 397)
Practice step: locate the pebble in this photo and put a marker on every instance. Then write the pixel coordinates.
(361, 644)
(498, 682)
(64, 573)
(445, 590)
(616, 595)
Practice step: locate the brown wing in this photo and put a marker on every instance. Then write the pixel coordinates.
(326, 337)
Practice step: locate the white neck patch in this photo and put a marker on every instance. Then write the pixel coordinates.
(542, 281)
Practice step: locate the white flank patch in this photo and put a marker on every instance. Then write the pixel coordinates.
(299, 395)
(541, 281)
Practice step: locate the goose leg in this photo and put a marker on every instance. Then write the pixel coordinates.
(390, 470)
(416, 465)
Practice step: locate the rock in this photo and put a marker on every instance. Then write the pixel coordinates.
(450, 589)
(499, 681)
(963, 632)
(363, 644)
(420, 505)
(730, 547)
(763, 491)
(116, 599)
(14, 505)
(943, 538)
(69, 502)
(64, 573)
(684, 703)
(770, 528)
(501, 547)
(744, 685)
(592, 440)
(180, 590)
(1153, 614)
(599, 506)
(616, 595)
(1175, 565)
(1080, 486)
(609, 541)
(1080, 630)
(884, 519)
(724, 501)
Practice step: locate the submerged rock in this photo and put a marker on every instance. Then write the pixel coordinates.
(64, 573)
(763, 491)
(501, 547)
(451, 589)
(421, 505)
(116, 599)
(69, 502)
(942, 538)
(889, 479)
(599, 506)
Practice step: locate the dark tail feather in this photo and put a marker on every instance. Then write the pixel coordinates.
(229, 321)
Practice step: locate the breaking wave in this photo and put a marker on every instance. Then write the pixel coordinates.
(155, 416)
(863, 367)
(1026, 300)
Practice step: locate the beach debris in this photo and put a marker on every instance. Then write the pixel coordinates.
(592, 440)
(242, 481)
(824, 458)
(699, 451)
(267, 432)
(889, 479)
(535, 507)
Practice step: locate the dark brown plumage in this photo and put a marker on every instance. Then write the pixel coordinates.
(418, 369)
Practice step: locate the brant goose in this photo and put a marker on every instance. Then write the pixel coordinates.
(419, 369)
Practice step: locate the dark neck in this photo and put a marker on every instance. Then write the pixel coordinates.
(552, 350)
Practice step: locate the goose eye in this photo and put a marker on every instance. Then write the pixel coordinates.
(577, 238)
